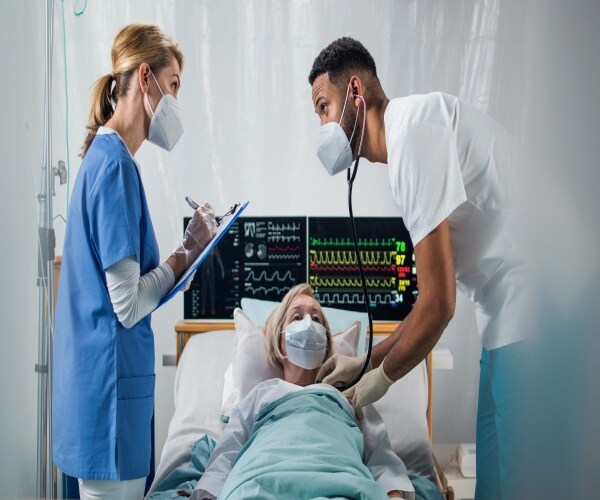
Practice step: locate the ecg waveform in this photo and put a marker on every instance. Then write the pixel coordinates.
(355, 298)
(343, 257)
(284, 226)
(316, 281)
(266, 290)
(277, 232)
(352, 269)
(284, 239)
(269, 277)
(347, 242)
(285, 256)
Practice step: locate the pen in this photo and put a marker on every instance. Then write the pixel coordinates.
(191, 203)
(194, 206)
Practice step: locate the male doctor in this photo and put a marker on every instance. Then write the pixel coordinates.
(449, 169)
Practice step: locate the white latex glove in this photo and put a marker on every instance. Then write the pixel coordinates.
(198, 233)
(370, 388)
(340, 370)
(188, 283)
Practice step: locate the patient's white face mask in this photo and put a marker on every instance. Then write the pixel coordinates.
(306, 343)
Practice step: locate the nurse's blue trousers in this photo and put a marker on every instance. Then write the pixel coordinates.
(498, 418)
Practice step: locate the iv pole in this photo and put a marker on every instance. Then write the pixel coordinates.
(46, 484)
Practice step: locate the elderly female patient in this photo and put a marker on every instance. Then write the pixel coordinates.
(293, 438)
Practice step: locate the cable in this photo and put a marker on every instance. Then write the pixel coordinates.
(351, 177)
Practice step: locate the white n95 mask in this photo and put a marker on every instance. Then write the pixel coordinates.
(166, 126)
(335, 149)
(306, 343)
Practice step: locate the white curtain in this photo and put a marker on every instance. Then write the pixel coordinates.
(250, 128)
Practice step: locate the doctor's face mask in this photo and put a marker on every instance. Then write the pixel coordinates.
(166, 126)
(335, 147)
(306, 343)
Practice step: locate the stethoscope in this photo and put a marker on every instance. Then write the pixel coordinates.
(350, 176)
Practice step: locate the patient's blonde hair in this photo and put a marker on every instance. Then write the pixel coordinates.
(275, 323)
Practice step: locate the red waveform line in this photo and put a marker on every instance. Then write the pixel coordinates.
(284, 249)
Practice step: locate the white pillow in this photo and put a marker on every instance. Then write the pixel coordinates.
(250, 364)
(346, 341)
(339, 319)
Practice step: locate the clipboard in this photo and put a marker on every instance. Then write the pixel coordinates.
(224, 226)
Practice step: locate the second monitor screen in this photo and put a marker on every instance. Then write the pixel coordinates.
(387, 258)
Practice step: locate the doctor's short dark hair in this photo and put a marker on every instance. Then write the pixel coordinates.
(340, 58)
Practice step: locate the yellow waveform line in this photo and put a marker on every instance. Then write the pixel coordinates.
(315, 281)
(347, 257)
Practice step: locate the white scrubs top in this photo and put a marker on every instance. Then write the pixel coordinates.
(448, 160)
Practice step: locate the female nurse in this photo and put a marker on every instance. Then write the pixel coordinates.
(111, 280)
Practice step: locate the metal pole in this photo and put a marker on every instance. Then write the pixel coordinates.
(41, 413)
(46, 473)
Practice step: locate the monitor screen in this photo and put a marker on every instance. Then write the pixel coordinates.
(259, 257)
(263, 257)
(388, 264)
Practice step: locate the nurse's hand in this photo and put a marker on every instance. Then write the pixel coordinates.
(340, 370)
(198, 233)
(188, 283)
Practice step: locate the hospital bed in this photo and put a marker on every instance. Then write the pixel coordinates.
(204, 354)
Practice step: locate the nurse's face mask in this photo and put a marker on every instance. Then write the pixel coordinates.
(166, 126)
(306, 343)
(335, 148)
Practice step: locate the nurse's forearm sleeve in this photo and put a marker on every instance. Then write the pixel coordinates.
(134, 297)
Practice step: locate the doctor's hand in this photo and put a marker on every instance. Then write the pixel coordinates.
(198, 233)
(340, 370)
(370, 388)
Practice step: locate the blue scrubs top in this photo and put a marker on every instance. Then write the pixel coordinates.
(103, 385)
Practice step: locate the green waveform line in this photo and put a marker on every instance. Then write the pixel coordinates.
(347, 242)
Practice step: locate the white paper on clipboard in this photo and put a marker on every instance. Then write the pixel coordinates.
(221, 230)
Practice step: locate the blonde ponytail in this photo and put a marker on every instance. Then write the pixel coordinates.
(102, 109)
(134, 44)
